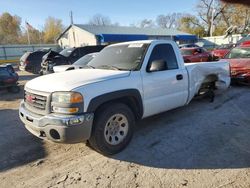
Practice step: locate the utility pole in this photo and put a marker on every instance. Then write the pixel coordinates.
(71, 18)
(28, 35)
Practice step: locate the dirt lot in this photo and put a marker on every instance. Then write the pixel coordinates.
(200, 145)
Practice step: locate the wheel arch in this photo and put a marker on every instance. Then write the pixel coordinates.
(131, 97)
(209, 82)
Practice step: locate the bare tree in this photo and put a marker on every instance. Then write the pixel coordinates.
(146, 23)
(209, 12)
(191, 24)
(99, 19)
(169, 20)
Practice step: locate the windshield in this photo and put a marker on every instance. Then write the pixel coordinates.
(238, 53)
(186, 52)
(85, 59)
(66, 52)
(122, 57)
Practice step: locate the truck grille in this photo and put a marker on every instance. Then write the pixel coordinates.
(37, 102)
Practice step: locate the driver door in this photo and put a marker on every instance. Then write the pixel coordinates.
(164, 89)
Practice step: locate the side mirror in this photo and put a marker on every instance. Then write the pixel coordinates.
(157, 65)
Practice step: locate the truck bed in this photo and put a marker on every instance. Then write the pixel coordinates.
(201, 73)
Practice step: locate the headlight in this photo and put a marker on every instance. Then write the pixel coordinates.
(67, 97)
(67, 102)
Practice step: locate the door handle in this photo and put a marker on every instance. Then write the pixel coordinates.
(179, 77)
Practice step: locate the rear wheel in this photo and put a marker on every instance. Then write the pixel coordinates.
(113, 128)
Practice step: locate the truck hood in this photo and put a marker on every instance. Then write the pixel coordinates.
(67, 81)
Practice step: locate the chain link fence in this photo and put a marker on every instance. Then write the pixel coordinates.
(12, 53)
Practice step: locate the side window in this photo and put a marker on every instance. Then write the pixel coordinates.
(83, 51)
(203, 50)
(199, 50)
(75, 53)
(164, 52)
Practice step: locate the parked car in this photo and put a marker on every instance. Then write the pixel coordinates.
(9, 78)
(246, 38)
(221, 51)
(80, 63)
(31, 61)
(129, 81)
(239, 59)
(189, 46)
(66, 57)
(195, 54)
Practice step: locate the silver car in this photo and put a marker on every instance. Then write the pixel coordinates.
(80, 63)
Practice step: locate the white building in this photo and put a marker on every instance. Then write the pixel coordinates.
(218, 40)
(82, 35)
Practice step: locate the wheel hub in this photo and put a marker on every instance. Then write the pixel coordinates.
(116, 129)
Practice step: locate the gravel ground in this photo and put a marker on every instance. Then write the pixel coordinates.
(200, 145)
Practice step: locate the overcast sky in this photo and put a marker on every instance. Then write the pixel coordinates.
(124, 12)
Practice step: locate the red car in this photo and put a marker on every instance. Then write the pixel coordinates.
(221, 51)
(196, 54)
(239, 59)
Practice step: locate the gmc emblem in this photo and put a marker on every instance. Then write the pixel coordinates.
(30, 98)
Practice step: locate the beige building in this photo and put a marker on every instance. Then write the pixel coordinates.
(84, 35)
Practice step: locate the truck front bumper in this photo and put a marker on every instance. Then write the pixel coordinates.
(58, 128)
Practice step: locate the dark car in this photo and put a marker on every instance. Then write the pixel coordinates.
(31, 61)
(189, 46)
(195, 55)
(66, 57)
(8, 78)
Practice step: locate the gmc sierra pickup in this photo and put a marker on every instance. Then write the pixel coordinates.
(124, 83)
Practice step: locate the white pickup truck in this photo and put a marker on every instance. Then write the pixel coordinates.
(124, 83)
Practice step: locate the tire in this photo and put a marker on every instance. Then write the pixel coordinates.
(112, 129)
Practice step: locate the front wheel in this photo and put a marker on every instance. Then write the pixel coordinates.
(113, 128)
